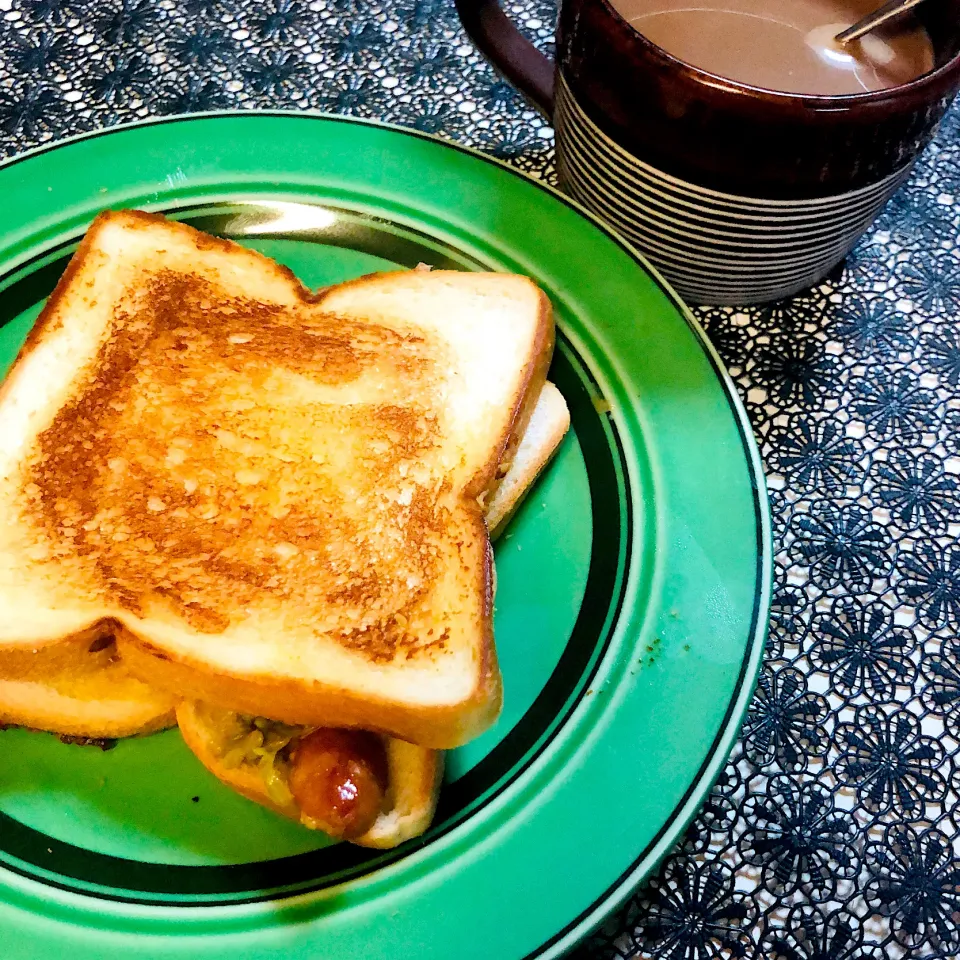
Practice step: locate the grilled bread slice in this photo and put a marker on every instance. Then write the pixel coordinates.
(275, 496)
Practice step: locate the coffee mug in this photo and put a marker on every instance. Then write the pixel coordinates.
(737, 195)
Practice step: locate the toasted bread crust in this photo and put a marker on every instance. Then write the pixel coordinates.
(46, 323)
(415, 776)
(541, 440)
(534, 386)
(37, 707)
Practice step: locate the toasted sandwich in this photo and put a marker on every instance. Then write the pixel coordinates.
(272, 500)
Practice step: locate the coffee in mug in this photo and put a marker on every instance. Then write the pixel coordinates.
(786, 46)
(733, 142)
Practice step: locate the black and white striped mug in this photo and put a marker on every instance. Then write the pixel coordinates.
(736, 194)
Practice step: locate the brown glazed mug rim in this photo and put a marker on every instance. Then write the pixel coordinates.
(917, 89)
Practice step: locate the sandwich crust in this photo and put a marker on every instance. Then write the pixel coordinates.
(491, 472)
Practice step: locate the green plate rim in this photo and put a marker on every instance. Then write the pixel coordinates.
(690, 803)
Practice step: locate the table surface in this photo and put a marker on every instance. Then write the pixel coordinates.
(833, 832)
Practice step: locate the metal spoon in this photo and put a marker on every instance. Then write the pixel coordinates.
(889, 11)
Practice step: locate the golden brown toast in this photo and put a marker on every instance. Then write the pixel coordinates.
(275, 495)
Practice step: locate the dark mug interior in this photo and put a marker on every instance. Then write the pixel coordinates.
(942, 21)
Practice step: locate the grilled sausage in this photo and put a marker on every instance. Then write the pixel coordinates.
(339, 779)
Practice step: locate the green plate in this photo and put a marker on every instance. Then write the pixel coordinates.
(634, 584)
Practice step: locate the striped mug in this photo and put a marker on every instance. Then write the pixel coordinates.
(737, 195)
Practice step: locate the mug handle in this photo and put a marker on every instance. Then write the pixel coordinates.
(509, 51)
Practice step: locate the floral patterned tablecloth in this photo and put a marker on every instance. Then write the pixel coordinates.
(834, 832)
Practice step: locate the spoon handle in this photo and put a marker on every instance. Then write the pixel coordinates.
(889, 11)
